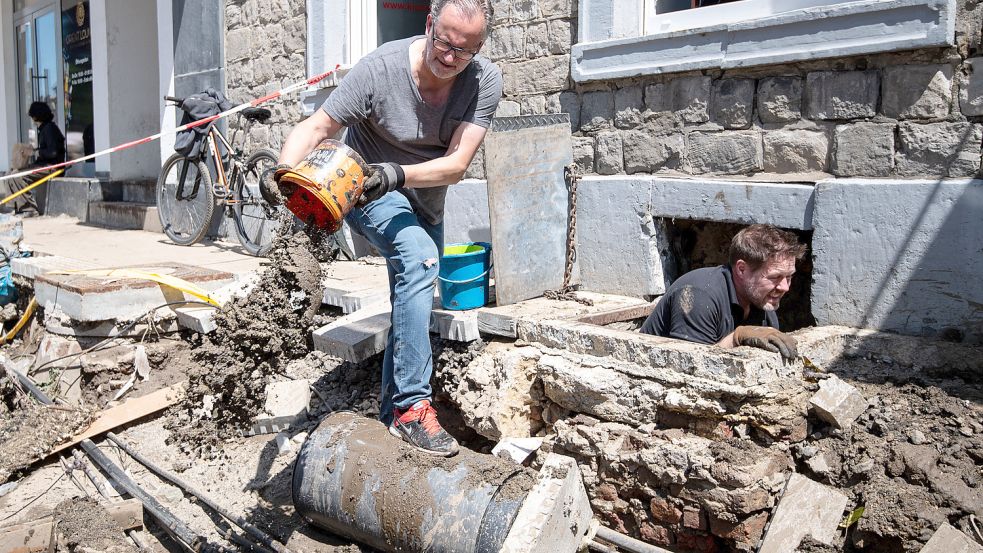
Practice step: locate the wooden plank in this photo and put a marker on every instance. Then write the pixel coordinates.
(35, 536)
(128, 411)
(619, 314)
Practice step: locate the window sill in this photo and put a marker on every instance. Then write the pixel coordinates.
(851, 28)
(314, 96)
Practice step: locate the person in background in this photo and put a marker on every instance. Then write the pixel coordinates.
(50, 151)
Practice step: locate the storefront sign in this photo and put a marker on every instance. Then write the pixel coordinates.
(77, 53)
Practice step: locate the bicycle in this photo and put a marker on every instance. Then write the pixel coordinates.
(187, 195)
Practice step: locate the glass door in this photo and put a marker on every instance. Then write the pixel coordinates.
(37, 67)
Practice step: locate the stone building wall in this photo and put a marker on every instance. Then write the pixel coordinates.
(265, 47)
(904, 114)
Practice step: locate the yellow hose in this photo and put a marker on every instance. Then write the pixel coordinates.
(33, 185)
(20, 324)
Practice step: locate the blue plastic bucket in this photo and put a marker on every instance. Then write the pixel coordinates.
(464, 275)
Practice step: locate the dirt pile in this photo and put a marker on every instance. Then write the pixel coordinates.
(31, 431)
(256, 337)
(82, 524)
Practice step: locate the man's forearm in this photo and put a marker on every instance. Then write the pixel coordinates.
(436, 172)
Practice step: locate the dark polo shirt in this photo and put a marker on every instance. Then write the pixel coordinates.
(701, 306)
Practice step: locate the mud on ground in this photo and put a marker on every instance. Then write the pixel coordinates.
(30, 432)
(82, 524)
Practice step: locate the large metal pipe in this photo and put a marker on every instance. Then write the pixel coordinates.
(354, 479)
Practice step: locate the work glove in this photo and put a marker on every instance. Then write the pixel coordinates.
(768, 338)
(269, 184)
(382, 179)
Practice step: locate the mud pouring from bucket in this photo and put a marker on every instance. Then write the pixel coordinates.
(325, 185)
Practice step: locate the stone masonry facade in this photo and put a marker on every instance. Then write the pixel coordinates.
(907, 114)
(265, 47)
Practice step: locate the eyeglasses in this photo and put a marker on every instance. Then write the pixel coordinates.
(459, 53)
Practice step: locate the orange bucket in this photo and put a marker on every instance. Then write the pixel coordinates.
(325, 185)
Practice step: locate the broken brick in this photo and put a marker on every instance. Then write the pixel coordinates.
(837, 402)
(657, 535)
(665, 512)
(607, 492)
(747, 531)
(693, 518)
(697, 543)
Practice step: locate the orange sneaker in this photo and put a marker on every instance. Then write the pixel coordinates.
(418, 427)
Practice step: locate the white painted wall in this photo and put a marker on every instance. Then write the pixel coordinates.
(165, 76)
(100, 83)
(8, 84)
(131, 46)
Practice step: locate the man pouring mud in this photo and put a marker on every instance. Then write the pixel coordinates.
(734, 304)
(416, 110)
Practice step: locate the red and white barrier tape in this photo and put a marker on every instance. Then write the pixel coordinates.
(193, 124)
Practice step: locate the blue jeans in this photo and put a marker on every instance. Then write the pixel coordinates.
(411, 247)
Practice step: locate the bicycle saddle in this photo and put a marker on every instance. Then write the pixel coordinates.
(256, 114)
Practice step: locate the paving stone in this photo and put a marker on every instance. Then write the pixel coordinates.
(835, 95)
(556, 514)
(863, 149)
(31, 267)
(199, 319)
(502, 320)
(795, 151)
(90, 298)
(837, 402)
(357, 336)
(948, 539)
(610, 153)
(807, 509)
(733, 102)
(729, 153)
(460, 326)
(288, 398)
(352, 285)
(597, 110)
(780, 99)
(916, 91)
(939, 149)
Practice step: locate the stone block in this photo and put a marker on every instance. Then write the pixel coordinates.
(948, 539)
(502, 320)
(496, 392)
(609, 158)
(288, 398)
(106, 296)
(795, 151)
(569, 102)
(807, 509)
(524, 10)
(664, 512)
(837, 402)
(648, 153)
(508, 42)
(863, 149)
(628, 107)
(198, 319)
(971, 90)
(508, 108)
(838, 95)
(690, 98)
(916, 91)
(746, 531)
(460, 326)
(597, 110)
(694, 519)
(583, 154)
(919, 277)
(656, 98)
(733, 102)
(556, 514)
(732, 153)
(537, 40)
(636, 263)
(538, 76)
(533, 105)
(554, 8)
(560, 36)
(70, 196)
(357, 336)
(780, 99)
(939, 149)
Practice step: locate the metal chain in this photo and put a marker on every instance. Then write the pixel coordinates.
(566, 291)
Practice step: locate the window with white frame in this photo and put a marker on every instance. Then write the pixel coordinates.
(630, 38)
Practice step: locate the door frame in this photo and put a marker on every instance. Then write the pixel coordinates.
(31, 13)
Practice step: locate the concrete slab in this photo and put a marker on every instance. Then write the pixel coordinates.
(71, 196)
(460, 326)
(92, 298)
(288, 398)
(501, 320)
(949, 540)
(352, 285)
(807, 508)
(900, 256)
(556, 515)
(357, 336)
(201, 318)
(122, 215)
(30, 267)
(837, 402)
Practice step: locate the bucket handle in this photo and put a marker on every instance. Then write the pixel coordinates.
(466, 281)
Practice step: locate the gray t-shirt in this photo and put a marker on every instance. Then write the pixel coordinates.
(388, 120)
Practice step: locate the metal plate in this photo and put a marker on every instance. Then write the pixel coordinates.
(527, 203)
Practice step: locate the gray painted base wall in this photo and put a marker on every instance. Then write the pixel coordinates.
(896, 255)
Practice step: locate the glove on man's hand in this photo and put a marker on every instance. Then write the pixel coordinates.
(269, 184)
(382, 179)
(768, 338)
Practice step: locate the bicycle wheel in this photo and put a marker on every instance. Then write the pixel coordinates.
(185, 200)
(257, 222)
